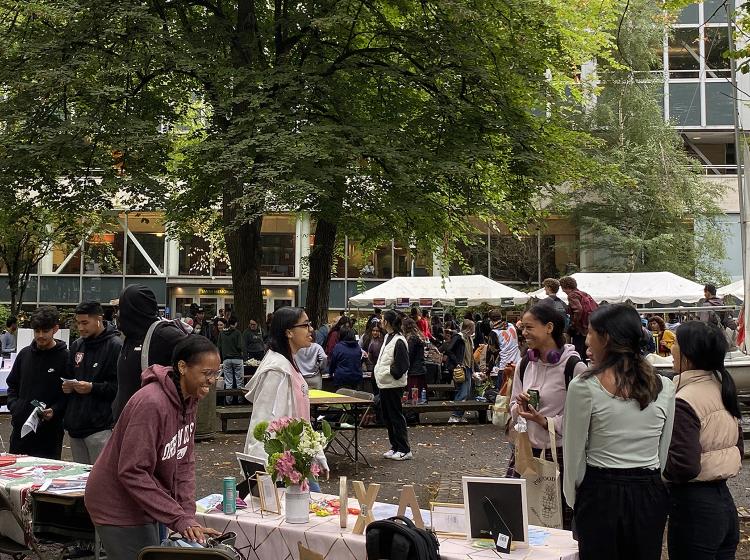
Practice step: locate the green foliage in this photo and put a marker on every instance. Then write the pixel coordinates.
(4, 314)
(649, 209)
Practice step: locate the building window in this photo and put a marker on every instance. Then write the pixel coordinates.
(104, 253)
(719, 103)
(278, 239)
(684, 53)
(145, 251)
(685, 103)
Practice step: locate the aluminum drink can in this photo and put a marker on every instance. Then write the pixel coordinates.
(229, 495)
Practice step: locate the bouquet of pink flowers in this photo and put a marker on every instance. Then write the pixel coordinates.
(294, 449)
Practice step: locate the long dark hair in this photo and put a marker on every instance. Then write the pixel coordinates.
(546, 313)
(188, 350)
(411, 330)
(635, 378)
(705, 346)
(284, 319)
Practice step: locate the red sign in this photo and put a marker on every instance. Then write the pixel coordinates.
(425, 302)
(380, 302)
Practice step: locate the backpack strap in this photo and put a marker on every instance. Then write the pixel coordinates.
(570, 368)
(147, 342)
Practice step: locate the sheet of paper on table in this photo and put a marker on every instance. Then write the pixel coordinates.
(384, 511)
(71, 484)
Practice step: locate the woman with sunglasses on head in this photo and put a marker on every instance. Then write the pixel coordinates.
(618, 423)
(540, 382)
(278, 388)
(706, 447)
(146, 473)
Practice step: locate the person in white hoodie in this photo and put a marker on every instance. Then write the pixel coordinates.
(278, 388)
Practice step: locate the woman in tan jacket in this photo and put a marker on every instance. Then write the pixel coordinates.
(706, 447)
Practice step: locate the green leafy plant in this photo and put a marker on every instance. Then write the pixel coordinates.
(294, 449)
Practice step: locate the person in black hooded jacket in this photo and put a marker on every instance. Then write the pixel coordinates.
(138, 311)
(91, 383)
(35, 375)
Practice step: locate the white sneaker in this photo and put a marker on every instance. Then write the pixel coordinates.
(454, 420)
(401, 456)
(389, 454)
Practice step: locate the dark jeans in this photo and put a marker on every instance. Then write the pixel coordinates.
(393, 418)
(703, 522)
(620, 514)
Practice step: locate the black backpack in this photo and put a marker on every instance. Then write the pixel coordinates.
(570, 367)
(397, 538)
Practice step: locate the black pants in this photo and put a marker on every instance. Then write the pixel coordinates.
(579, 341)
(620, 514)
(703, 522)
(393, 418)
(47, 442)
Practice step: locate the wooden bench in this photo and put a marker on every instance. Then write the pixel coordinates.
(231, 392)
(226, 413)
(447, 406)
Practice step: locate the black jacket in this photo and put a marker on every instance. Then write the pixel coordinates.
(416, 356)
(138, 309)
(93, 359)
(455, 352)
(36, 375)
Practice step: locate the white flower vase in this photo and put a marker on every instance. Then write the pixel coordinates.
(297, 504)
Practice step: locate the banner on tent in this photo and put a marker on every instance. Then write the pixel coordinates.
(402, 302)
(380, 302)
(462, 302)
(425, 302)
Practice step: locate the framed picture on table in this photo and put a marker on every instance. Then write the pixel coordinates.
(268, 493)
(496, 502)
(448, 519)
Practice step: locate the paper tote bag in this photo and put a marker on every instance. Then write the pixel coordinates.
(542, 481)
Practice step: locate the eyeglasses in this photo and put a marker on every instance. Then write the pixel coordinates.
(307, 325)
(212, 376)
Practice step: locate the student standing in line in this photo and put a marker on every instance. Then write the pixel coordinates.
(91, 383)
(415, 341)
(706, 448)
(35, 375)
(461, 354)
(390, 376)
(618, 424)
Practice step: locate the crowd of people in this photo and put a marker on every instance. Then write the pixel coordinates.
(627, 440)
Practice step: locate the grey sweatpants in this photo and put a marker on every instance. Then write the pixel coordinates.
(86, 450)
(124, 543)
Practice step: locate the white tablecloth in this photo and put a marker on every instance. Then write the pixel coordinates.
(271, 538)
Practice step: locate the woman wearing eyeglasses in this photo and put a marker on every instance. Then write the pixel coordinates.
(146, 473)
(278, 388)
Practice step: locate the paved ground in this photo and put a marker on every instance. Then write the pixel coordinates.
(442, 454)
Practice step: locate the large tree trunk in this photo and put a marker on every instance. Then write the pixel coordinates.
(321, 263)
(245, 256)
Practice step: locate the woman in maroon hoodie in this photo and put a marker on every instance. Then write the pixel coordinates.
(146, 473)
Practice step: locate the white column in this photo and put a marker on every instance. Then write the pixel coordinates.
(173, 258)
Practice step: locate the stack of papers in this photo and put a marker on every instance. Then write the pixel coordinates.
(73, 484)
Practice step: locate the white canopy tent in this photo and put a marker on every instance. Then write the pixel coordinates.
(636, 287)
(467, 290)
(735, 289)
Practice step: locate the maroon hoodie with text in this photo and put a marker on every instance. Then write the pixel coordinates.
(146, 472)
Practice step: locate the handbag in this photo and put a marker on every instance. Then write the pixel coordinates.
(459, 374)
(501, 408)
(544, 502)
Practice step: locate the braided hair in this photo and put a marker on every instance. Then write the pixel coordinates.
(188, 350)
